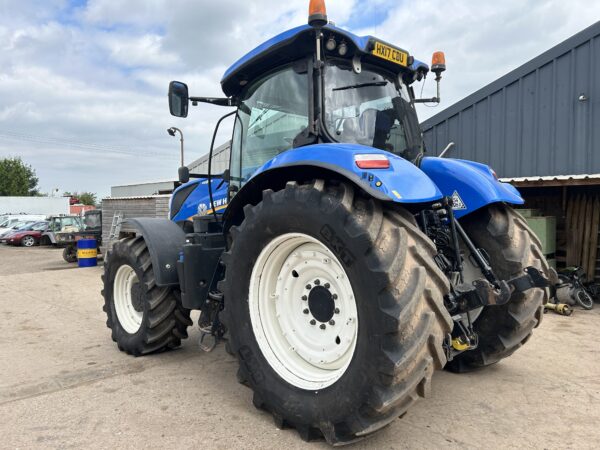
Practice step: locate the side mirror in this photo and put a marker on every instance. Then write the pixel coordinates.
(184, 174)
(178, 99)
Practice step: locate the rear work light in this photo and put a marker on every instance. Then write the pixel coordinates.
(373, 161)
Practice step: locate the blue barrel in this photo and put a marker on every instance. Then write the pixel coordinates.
(87, 253)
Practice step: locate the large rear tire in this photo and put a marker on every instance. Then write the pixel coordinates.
(144, 318)
(335, 310)
(511, 247)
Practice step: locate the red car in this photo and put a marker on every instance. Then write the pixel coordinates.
(27, 236)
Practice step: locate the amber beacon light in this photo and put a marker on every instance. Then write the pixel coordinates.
(438, 63)
(317, 13)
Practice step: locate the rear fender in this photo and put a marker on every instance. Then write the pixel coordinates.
(402, 182)
(164, 240)
(472, 185)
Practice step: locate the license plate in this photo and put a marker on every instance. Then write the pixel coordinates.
(390, 54)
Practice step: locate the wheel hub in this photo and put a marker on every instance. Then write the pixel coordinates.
(137, 297)
(321, 304)
(303, 311)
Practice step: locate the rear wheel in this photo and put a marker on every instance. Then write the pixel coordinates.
(335, 310)
(28, 241)
(70, 254)
(511, 247)
(144, 318)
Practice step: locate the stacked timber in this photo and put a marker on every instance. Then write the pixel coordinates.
(582, 222)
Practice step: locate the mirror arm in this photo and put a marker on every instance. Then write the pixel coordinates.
(435, 99)
(228, 101)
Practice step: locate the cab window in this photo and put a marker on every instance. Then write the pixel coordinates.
(273, 111)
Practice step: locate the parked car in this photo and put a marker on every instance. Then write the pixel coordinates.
(7, 222)
(57, 224)
(14, 227)
(27, 236)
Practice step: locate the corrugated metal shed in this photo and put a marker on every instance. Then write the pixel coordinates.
(143, 206)
(541, 119)
(220, 161)
(144, 188)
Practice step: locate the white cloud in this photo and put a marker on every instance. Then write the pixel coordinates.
(482, 40)
(98, 73)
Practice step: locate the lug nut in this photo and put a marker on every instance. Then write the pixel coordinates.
(317, 282)
(332, 322)
(322, 327)
(305, 311)
(313, 322)
(334, 296)
(336, 310)
(326, 286)
(304, 297)
(309, 287)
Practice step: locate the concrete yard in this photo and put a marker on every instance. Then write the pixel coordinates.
(64, 384)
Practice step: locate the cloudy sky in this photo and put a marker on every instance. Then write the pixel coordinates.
(83, 83)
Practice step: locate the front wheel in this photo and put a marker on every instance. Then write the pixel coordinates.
(144, 318)
(28, 241)
(335, 309)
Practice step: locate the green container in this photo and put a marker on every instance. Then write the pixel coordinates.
(545, 229)
(529, 212)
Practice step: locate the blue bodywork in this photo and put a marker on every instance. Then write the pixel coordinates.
(198, 202)
(290, 45)
(361, 42)
(472, 185)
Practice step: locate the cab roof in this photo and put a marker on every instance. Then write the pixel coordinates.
(298, 42)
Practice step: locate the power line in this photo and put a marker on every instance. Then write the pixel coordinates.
(86, 147)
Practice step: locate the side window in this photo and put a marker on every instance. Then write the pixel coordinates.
(273, 112)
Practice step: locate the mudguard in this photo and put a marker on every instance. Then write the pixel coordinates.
(164, 240)
(402, 182)
(471, 185)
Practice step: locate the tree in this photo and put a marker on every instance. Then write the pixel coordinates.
(85, 198)
(17, 178)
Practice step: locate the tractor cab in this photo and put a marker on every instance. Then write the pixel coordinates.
(316, 84)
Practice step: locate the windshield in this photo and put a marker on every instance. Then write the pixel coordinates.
(371, 109)
(21, 225)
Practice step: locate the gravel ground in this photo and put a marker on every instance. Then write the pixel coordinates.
(64, 384)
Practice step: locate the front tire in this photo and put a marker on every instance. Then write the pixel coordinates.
(144, 318)
(28, 241)
(511, 247)
(291, 255)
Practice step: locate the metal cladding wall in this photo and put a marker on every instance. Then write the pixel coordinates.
(532, 121)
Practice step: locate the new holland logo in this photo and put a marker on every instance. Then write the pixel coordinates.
(202, 208)
(457, 202)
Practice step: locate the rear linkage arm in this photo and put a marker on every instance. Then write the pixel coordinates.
(490, 291)
(466, 297)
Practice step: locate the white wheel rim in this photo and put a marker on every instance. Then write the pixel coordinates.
(293, 274)
(129, 318)
(28, 241)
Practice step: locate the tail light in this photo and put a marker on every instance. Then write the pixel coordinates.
(372, 161)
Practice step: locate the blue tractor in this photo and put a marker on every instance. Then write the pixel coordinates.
(340, 264)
